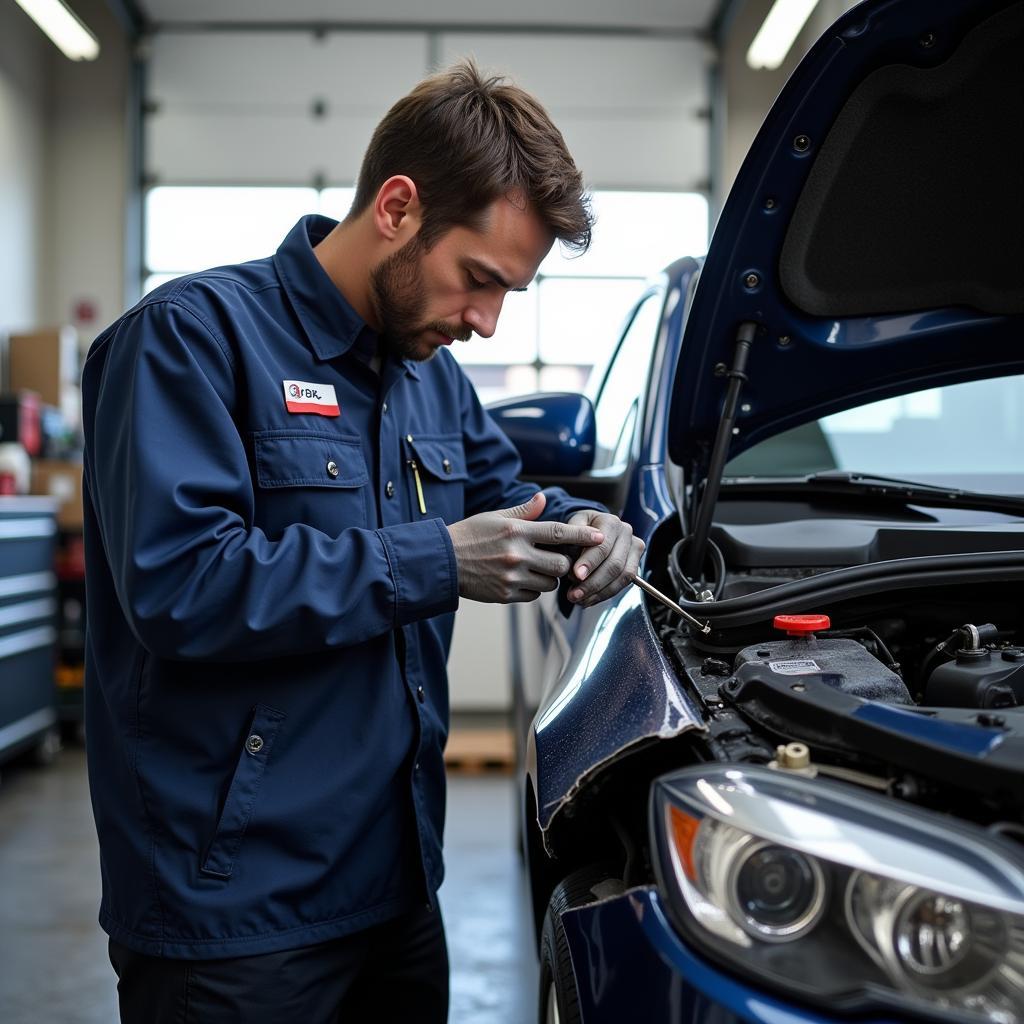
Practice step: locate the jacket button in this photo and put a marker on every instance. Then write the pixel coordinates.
(420, 695)
(254, 744)
(332, 468)
(389, 489)
(408, 438)
(447, 466)
(384, 408)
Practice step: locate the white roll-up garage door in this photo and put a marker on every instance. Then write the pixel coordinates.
(291, 108)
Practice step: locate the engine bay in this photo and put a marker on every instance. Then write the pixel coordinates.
(905, 675)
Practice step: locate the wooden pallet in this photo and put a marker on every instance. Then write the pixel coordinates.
(475, 751)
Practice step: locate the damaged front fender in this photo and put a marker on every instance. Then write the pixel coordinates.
(615, 693)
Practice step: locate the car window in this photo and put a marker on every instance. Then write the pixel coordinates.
(618, 399)
(962, 435)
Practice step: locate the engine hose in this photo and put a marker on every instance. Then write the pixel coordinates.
(681, 581)
(946, 649)
(927, 662)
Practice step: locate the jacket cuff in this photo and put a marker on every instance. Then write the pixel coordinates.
(423, 569)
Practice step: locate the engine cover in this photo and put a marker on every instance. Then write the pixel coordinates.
(842, 664)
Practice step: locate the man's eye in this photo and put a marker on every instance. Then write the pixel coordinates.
(474, 284)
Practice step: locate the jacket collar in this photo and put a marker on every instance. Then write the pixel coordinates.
(327, 318)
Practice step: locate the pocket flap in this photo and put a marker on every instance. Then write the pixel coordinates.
(238, 807)
(289, 458)
(442, 456)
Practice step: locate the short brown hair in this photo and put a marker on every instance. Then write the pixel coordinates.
(466, 140)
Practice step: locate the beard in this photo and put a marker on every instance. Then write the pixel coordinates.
(399, 298)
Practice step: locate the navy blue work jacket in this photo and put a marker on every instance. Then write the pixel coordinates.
(270, 608)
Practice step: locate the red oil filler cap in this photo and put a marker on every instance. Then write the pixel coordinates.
(801, 625)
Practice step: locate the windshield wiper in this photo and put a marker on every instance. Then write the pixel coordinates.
(883, 488)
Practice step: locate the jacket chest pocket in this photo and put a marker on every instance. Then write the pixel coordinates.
(245, 786)
(318, 479)
(436, 465)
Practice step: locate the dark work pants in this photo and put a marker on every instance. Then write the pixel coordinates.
(396, 971)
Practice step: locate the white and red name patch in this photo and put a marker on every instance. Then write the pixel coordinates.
(319, 399)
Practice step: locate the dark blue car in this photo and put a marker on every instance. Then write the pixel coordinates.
(797, 794)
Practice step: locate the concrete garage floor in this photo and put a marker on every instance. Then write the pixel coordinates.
(53, 957)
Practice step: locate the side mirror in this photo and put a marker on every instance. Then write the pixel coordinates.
(553, 432)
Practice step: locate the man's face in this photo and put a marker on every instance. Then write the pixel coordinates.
(424, 300)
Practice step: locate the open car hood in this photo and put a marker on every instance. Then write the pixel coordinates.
(874, 234)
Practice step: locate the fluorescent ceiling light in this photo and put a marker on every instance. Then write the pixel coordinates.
(777, 34)
(71, 37)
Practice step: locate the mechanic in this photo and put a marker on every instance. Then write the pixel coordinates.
(289, 487)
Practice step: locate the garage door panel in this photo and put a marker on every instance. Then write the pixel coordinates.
(238, 107)
(624, 153)
(600, 73)
(252, 147)
(284, 68)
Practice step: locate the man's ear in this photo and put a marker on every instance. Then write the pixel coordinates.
(397, 214)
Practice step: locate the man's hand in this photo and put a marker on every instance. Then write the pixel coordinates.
(498, 557)
(603, 570)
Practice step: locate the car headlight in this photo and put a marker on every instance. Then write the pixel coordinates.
(839, 896)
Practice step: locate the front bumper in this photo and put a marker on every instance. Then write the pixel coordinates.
(630, 964)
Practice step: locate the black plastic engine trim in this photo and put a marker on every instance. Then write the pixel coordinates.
(812, 711)
(858, 581)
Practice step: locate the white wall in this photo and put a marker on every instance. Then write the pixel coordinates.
(63, 158)
(24, 108)
(88, 177)
(478, 668)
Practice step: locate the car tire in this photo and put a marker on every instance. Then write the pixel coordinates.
(558, 998)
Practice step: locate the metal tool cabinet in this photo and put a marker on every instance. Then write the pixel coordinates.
(28, 608)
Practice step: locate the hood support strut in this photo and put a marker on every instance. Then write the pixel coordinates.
(697, 548)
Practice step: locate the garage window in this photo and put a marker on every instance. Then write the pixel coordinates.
(548, 338)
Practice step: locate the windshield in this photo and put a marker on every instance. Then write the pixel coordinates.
(964, 435)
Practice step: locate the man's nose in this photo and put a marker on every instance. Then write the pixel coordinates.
(482, 316)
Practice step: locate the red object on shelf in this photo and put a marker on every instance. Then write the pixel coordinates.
(21, 420)
(802, 625)
(31, 428)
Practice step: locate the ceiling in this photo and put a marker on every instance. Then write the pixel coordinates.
(683, 16)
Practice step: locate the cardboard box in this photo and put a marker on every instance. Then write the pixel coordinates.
(63, 481)
(45, 362)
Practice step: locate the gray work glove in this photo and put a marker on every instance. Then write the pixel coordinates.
(499, 558)
(607, 567)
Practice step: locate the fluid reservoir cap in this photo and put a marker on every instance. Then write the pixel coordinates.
(801, 625)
